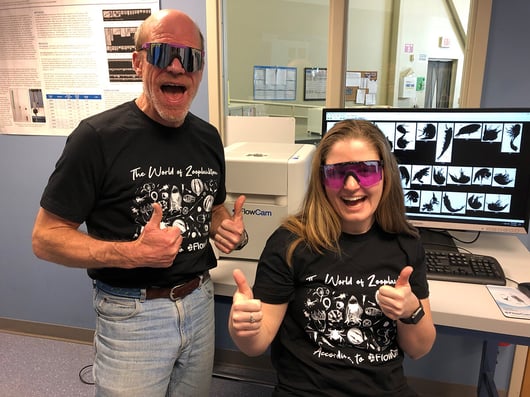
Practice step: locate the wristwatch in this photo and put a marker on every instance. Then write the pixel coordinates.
(243, 242)
(416, 316)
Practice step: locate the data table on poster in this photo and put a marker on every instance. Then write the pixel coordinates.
(66, 110)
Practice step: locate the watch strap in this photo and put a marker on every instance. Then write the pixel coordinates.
(416, 316)
(243, 241)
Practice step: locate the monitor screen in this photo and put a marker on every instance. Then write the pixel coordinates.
(461, 169)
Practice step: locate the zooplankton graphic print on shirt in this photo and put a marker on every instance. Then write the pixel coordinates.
(186, 203)
(338, 319)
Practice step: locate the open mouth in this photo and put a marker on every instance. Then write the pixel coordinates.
(352, 202)
(171, 89)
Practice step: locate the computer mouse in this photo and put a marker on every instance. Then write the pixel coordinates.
(524, 288)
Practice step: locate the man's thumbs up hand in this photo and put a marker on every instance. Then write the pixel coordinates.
(156, 218)
(232, 229)
(238, 209)
(156, 246)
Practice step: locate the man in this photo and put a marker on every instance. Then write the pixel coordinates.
(147, 178)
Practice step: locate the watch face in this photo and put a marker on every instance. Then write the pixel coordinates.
(243, 242)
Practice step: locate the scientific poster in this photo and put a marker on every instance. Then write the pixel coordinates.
(65, 60)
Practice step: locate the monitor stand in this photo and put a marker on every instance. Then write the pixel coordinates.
(437, 240)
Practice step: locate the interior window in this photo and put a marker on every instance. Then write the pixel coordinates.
(285, 58)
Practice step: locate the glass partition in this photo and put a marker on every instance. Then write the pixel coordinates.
(284, 58)
(268, 47)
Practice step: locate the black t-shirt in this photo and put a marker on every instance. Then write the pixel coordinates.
(334, 339)
(117, 163)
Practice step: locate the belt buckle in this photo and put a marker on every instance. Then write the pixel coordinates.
(172, 291)
(176, 287)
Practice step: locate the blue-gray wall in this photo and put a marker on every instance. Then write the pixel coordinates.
(506, 82)
(35, 290)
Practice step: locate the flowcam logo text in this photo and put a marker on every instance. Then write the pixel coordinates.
(257, 212)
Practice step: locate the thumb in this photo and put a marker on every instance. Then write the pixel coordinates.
(238, 207)
(242, 284)
(156, 216)
(403, 279)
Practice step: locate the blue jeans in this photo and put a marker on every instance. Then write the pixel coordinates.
(155, 348)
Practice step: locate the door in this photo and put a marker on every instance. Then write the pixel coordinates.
(438, 83)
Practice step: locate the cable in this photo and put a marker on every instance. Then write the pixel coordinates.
(447, 240)
(83, 372)
(447, 234)
(467, 242)
(512, 280)
(451, 247)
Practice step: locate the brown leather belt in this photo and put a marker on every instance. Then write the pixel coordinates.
(178, 291)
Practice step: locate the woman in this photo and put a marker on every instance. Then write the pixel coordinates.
(341, 291)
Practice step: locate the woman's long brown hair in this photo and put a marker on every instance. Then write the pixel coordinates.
(317, 224)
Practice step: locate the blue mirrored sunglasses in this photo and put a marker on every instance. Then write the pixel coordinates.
(162, 55)
(366, 173)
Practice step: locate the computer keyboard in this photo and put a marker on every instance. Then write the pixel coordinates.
(463, 267)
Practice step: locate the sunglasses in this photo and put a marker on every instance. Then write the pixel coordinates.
(366, 173)
(162, 55)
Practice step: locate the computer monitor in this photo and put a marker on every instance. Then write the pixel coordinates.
(461, 169)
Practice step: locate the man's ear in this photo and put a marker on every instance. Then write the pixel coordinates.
(137, 63)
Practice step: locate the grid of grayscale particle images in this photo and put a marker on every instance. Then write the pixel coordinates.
(473, 182)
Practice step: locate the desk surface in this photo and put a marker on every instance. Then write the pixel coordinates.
(460, 305)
